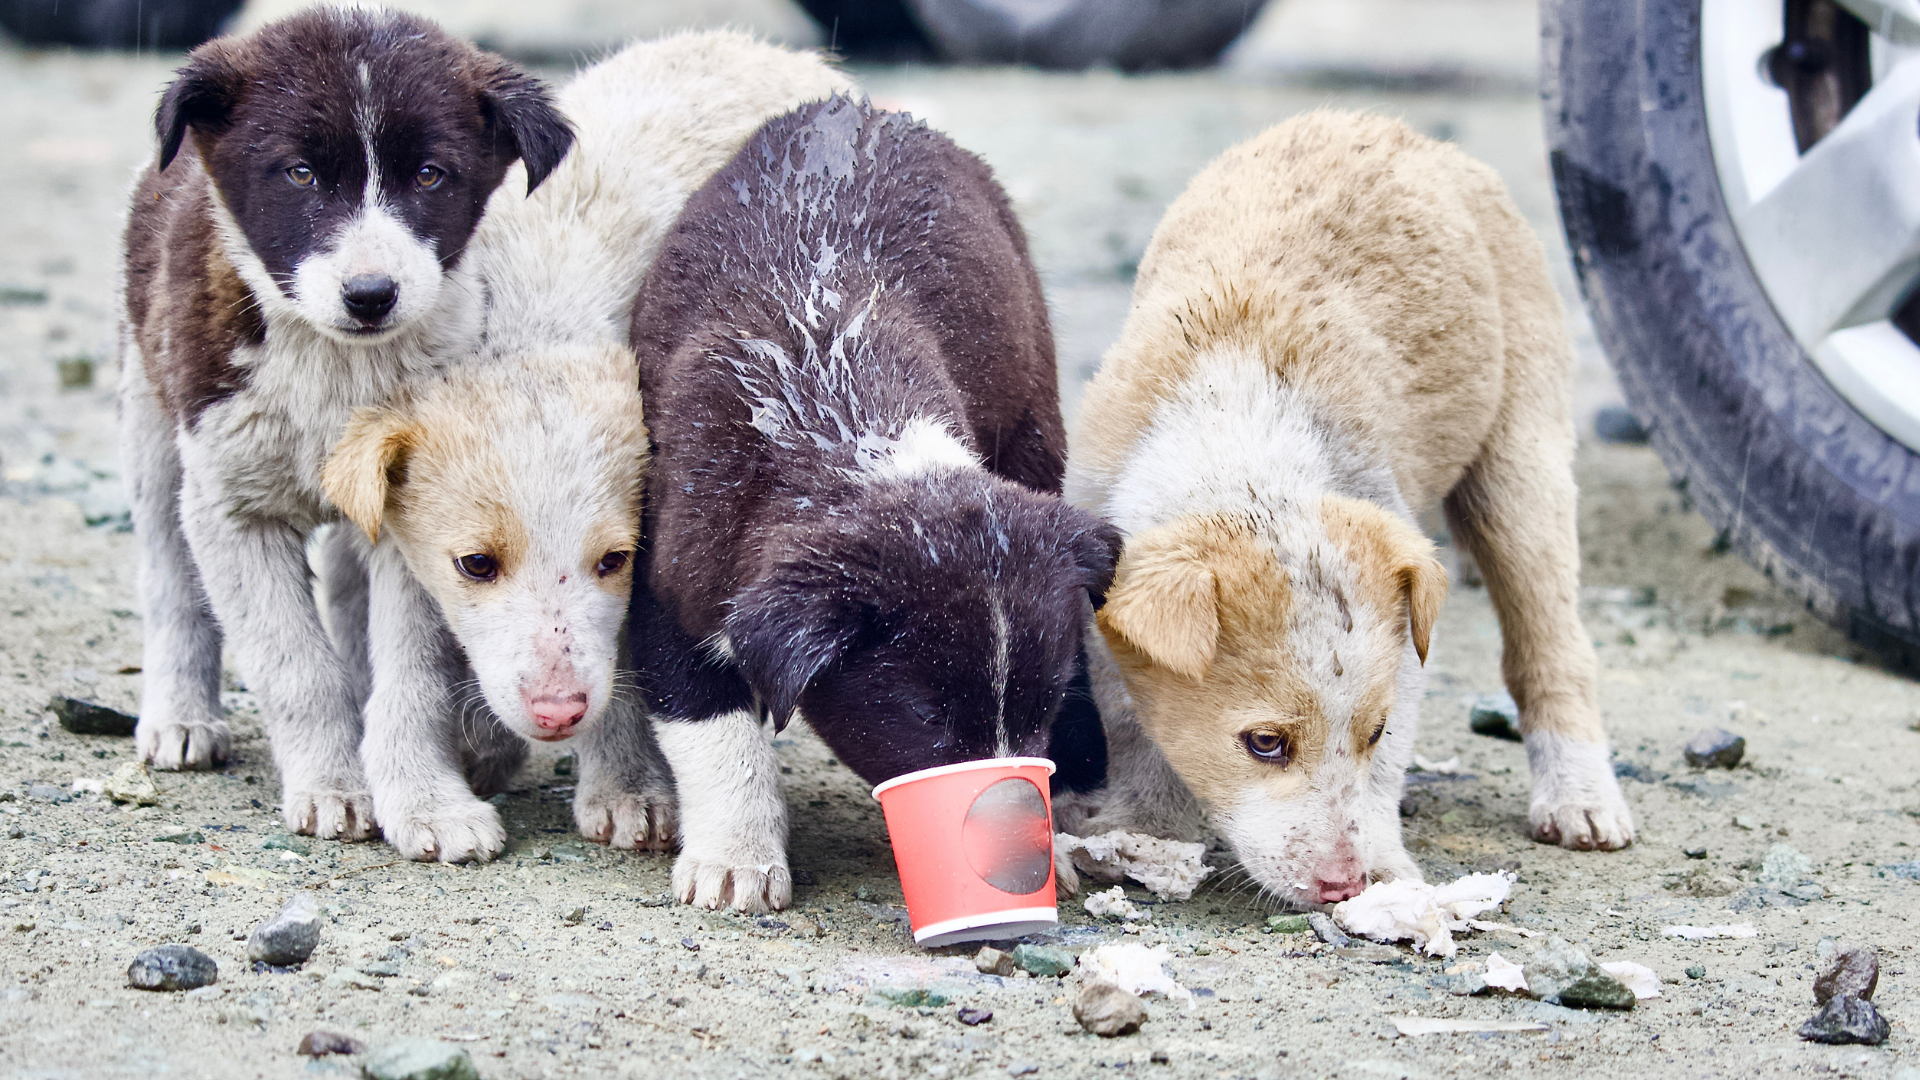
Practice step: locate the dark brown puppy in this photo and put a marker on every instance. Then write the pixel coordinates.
(853, 509)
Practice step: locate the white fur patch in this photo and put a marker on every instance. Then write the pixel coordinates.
(733, 820)
(923, 445)
(1575, 793)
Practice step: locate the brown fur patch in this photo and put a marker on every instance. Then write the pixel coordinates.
(1395, 563)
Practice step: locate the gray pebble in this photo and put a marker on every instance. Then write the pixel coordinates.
(1042, 959)
(1562, 973)
(172, 967)
(1324, 929)
(1852, 970)
(973, 1017)
(47, 793)
(1495, 715)
(1615, 424)
(1715, 748)
(419, 1059)
(290, 936)
(1023, 1068)
(1847, 1019)
(384, 969)
(1108, 1011)
(91, 717)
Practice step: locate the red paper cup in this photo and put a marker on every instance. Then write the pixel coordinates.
(974, 846)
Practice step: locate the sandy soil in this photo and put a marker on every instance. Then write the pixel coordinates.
(563, 958)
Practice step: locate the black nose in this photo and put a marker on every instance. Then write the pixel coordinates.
(370, 296)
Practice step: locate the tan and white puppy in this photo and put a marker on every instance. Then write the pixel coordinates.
(1338, 320)
(505, 494)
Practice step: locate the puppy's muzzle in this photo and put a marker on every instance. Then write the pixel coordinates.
(369, 297)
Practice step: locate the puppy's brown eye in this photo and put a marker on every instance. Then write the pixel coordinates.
(1268, 746)
(301, 176)
(478, 567)
(429, 177)
(611, 563)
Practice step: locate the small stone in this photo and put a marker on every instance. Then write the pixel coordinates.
(1495, 715)
(1697, 971)
(1695, 853)
(131, 783)
(419, 1059)
(286, 842)
(1288, 924)
(322, 1043)
(91, 717)
(973, 1017)
(1460, 983)
(380, 969)
(1785, 868)
(1108, 1011)
(912, 997)
(1852, 970)
(1324, 929)
(1715, 748)
(181, 838)
(76, 372)
(576, 916)
(1023, 1068)
(46, 792)
(1847, 1019)
(1746, 821)
(1615, 424)
(290, 936)
(1042, 959)
(991, 961)
(564, 766)
(172, 967)
(1562, 973)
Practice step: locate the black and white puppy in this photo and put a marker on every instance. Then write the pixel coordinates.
(293, 252)
(853, 510)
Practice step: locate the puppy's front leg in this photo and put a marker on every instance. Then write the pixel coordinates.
(255, 574)
(625, 797)
(420, 791)
(181, 726)
(733, 818)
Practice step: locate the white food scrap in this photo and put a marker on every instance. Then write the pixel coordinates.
(1437, 1025)
(1137, 969)
(1114, 902)
(1429, 915)
(1702, 933)
(1638, 978)
(1170, 869)
(1504, 974)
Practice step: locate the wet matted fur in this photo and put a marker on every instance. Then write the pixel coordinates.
(850, 382)
(1339, 319)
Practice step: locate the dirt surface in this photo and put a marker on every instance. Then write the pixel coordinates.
(562, 958)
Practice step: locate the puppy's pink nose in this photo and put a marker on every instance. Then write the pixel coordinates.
(557, 715)
(1332, 892)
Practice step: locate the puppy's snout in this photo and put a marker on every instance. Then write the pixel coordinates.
(369, 297)
(556, 715)
(1339, 879)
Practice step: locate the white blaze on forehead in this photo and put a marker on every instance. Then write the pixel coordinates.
(367, 121)
(1002, 664)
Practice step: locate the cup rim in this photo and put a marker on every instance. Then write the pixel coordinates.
(965, 766)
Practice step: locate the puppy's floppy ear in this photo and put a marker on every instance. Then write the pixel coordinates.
(1165, 602)
(1095, 547)
(1385, 543)
(790, 626)
(201, 96)
(520, 110)
(367, 463)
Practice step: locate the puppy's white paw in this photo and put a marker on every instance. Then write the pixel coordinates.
(735, 877)
(641, 820)
(182, 744)
(1396, 866)
(1576, 803)
(327, 811)
(450, 830)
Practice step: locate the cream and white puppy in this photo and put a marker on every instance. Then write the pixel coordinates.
(505, 494)
(1338, 320)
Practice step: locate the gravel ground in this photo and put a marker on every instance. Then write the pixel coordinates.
(563, 958)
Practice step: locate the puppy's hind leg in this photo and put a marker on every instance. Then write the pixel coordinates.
(1514, 511)
(181, 726)
(733, 818)
(626, 795)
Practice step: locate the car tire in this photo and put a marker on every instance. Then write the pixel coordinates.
(1810, 491)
